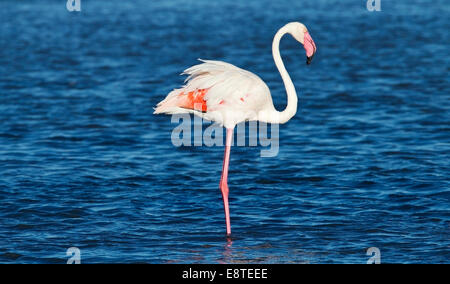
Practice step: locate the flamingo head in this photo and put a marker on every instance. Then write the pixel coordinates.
(301, 34)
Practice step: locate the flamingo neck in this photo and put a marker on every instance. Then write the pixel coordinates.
(291, 108)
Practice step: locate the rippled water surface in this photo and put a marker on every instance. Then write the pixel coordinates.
(84, 162)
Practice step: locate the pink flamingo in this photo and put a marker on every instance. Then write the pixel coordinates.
(228, 95)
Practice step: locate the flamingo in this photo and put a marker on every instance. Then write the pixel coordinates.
(226, 94)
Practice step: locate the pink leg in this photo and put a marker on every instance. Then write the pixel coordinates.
(224, 179)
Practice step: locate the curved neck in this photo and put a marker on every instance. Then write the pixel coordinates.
(291, 108)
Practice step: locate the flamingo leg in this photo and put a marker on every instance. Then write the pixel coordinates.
(224, 179)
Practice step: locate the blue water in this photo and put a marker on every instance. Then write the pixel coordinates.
(84, 162)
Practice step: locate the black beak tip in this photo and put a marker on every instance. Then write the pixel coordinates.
(309, 59)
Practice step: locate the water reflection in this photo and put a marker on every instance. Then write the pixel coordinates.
(227, 254)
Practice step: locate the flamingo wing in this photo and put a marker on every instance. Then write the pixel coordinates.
(216, 86)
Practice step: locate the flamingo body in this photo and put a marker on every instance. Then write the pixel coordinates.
(220, 92)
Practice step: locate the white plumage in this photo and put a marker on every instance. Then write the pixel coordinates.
(233, 94)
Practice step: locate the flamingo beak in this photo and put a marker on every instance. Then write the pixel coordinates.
(309, 59)
(310, 47)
